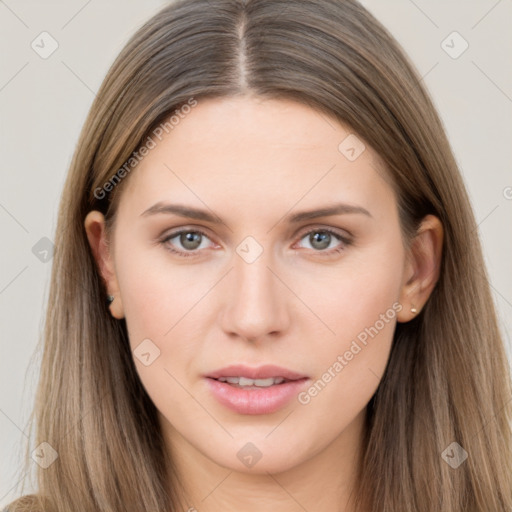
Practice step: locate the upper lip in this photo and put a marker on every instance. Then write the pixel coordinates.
(260, 372)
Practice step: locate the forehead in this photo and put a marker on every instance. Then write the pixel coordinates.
(242, 124)
(258, 152)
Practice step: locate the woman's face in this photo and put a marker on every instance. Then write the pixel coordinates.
(263, 280)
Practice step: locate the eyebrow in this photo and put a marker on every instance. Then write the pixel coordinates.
(204, 215)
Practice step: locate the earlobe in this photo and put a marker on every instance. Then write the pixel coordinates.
(423, 268)
(95, 229)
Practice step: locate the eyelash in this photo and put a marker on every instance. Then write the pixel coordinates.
(187, 254)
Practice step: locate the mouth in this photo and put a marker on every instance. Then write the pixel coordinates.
(246, 383)
(261, 390)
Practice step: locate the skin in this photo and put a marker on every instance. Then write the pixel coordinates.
(251, 162)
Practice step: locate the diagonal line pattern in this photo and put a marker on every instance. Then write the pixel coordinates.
(280, 423)
(492, 81)
(218, 485)
(301, 301)
(198, 403)
(305, 194)
(13, 279)
(13, 13)
(376, 376)
(14, 76)
(13, 487)
(13, 423)
(165, 165)
(485, 15)
(78, 77)
(491, 419)
(287, 492)
(194, 305)
(485, 218)
(424, 13)
(14, 218)
(76, 14)
(501, 295)
(418, 83)
(85, 414)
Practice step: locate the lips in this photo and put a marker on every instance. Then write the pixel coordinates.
(261, 390)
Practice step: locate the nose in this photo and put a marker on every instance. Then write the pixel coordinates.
(256, 307)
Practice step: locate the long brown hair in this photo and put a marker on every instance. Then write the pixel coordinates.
(447, 379)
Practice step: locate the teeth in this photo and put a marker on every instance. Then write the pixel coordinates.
(243, 381)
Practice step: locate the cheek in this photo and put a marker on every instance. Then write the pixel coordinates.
(361, 308)
(164, 303)
(158, 304)
(156, 294)
(363, 324)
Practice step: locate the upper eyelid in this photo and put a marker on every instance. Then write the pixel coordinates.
(343, 233)
(179, 231)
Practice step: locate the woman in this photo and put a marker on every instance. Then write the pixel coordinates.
(267, 292)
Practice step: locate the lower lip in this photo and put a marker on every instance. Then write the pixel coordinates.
(256, 401)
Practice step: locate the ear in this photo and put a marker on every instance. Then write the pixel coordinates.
(96, 234)
(422, 267)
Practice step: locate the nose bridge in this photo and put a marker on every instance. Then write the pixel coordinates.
(256, 306)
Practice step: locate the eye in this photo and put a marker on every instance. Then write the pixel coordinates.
(191, 241)
(322, 239)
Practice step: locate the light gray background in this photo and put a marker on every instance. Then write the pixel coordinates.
(44, 102)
